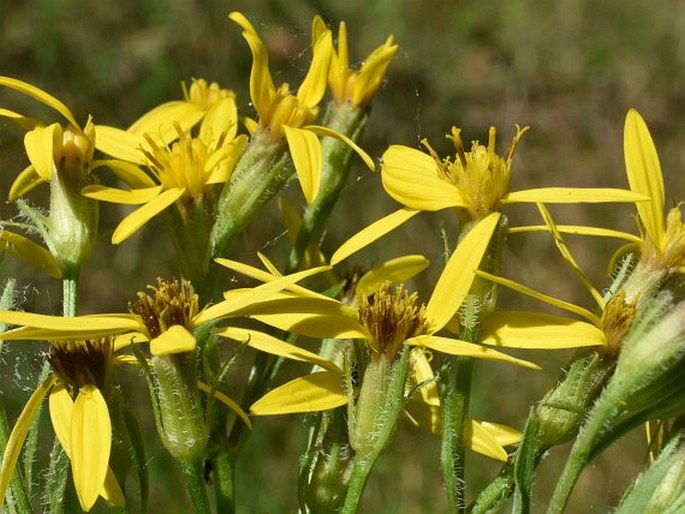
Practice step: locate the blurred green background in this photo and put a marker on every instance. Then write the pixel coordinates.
(570, 69)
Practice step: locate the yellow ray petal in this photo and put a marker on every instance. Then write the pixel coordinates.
(535, 330)
(131, 223)
(578, 230)
(161, 120)
(592, 318)
(18, 435)
(221, 118)
(456, 279)
(39, 144)
(262, 88)
(226, 401)
(113, 195)
(21, 120)
(128, 172)
(79, 324)
(31, 253)
(314, 392)
(257, 294)
(397, 270)
(61, 408)
(482, 441)
(313, 86)
(458, 347)
(644, 174)
(119, 144)
(91, 441)
(40, 95)
(175, 339)
(574, 195)
(502, 433)
(25, 182)
(371, 233)
(422, 373)
(111, 490)
(270, 344)
(305, 151)
(411, 177)
(325, 131)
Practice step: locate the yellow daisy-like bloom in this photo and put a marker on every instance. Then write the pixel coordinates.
(308, 314)
(82, 426)
(475, 183)
(282, 114)
(183, 172)
(355, 87)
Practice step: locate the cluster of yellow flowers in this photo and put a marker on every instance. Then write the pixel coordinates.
(207, 171)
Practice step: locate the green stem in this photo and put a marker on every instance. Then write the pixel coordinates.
(360, 472)
(193, 475)
(455, 399)
(70, 291)
(224, 482)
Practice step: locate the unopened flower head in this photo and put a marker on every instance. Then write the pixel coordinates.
(73, 148)
(205, 95)
(171, 303)
(392, 318)
(480, 175)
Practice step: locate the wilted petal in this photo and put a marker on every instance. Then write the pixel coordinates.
(482, 441)
(226, 401)
(312, 393)
(411, 177)
(535, 330)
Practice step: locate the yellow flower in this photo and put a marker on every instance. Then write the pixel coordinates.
(475, 183)
(82, 426)
(282, 114)
(183, 172)
(308, 314)
(348, 85)
(28, 251)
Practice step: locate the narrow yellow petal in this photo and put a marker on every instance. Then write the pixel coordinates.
(61, 407)
(131, 223)
(40, 95)
(574, 195)
(21, 120)
(78, 324)
(482, 441)
(113, 195)
(119, 144)
(578, 230)
(644, 174)
(313, 86)
(25, 182)
(262, 89)
(161, 120)
(458, 347)
(422, 373)
(396, 270)
(305, 151)
(412, 178)
(111, 490)
(504, 434)
(270, 344)
(222, 118)
(312, 393)
(456, 279)
(175, 339)
(257, 294)
(536, 330)
(592, 318)
(31, 253)
(226, 401)
(39, 144)
(18, 435)
(91, 441)
(325, 131)
(371, 233)
(127, 172)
